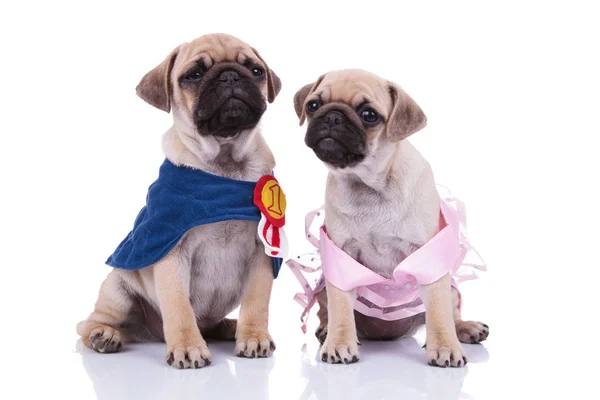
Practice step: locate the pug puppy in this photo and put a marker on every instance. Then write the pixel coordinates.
(217, 88)
(381, 204)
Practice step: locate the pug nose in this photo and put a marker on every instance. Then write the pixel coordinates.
(334, 118)
(229, 76)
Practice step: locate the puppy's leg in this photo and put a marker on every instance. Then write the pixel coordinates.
(99, 332)
(321, 332)
(443, 347)
(185, 346)
(252, 336)
(468, 331)
(341, 344)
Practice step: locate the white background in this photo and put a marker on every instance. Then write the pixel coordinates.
(511, 91)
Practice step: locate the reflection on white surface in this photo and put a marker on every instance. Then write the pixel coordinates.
(141, 373)
(388, 370)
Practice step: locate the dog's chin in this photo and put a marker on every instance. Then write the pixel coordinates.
(229, 120)
(336, 154)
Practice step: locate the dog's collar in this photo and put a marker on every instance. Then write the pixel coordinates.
(169, 170)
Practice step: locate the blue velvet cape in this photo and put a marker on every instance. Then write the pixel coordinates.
(180, 199)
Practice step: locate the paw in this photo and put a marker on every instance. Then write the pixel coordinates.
(254, 344)
(321, 334)
(105, 339)
(181, 356)
(339, 351)
(446, 354)
(472, 332)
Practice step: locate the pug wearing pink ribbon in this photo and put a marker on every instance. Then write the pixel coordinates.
(392, 249)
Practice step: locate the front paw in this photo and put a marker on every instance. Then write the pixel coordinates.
(252, 344)
(182, 356)
(445, 354)
(335, 351)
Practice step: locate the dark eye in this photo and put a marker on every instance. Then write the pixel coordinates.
(256, 71)
(312, 106)
(369, 116)
(193, 75)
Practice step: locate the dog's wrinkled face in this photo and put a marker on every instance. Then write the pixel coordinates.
(218, 83)
(351, 113)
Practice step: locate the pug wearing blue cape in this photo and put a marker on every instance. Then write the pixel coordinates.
(209, 237)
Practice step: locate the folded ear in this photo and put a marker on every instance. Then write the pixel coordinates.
(406, 117)
(273, 81)
(155, 87)
(300, 98)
